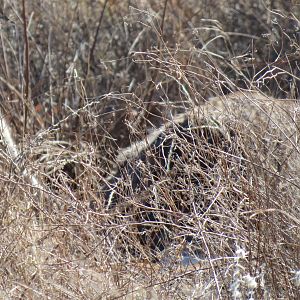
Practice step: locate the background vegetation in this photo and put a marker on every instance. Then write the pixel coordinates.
(82, 80)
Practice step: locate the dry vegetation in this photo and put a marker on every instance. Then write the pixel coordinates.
(149, 149)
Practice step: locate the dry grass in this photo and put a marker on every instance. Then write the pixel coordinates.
(156, 152)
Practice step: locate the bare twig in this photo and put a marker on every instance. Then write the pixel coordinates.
(6, 134)
(26, 70)
(163, 18)
(91, 56)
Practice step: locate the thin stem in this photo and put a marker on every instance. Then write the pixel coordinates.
(26, 70)
(91, 56)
